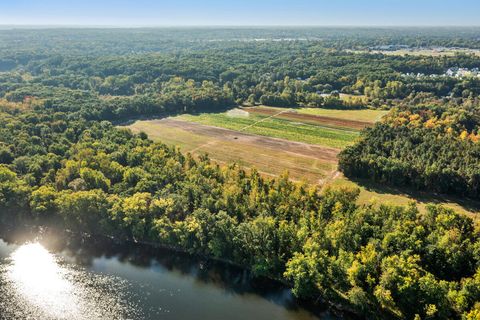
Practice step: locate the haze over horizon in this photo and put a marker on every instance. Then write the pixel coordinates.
(149, 13)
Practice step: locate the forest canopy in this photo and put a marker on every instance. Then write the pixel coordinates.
(432, 147)
(62, 159)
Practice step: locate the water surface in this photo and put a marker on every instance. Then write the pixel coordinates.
(47, 276)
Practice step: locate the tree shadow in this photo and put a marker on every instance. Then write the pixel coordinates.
(421, 196)
(157, 116)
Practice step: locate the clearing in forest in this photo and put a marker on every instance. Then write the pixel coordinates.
(363, 115)
(275, 140)
(270, 156)
(276, 127)
(381, 194)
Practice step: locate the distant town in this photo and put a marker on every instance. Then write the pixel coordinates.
(451, 72)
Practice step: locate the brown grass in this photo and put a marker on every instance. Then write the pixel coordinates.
(312, 119)
(270, 156)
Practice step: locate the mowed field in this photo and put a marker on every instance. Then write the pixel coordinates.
(381, 194)
(303, 141)
(270, 139)
(363, 115)
(270, 156)
(282, 124)
(353, 120)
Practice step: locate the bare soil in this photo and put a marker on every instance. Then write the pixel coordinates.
(291, 147)
(308, 118)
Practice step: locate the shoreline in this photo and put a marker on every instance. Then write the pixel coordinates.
(314, 305)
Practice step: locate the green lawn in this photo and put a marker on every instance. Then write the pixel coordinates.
(278, 128)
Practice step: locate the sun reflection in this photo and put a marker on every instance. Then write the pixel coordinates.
(41, 281)
(38, 284)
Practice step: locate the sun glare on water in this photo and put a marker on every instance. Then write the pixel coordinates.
(42, 282)
(38, 284)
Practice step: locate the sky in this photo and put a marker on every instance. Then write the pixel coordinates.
(241, 12)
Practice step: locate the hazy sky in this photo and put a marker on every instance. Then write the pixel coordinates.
(240, 12)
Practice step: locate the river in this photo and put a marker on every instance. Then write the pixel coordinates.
(47, 276)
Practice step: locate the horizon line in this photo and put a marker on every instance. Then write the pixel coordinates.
(152, 26)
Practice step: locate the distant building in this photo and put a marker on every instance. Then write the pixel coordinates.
(390, 47)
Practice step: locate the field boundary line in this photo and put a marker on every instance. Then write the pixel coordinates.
(264, 119)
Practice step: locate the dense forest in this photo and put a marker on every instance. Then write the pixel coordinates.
(428, 145)
(62, 159)
(280, 68)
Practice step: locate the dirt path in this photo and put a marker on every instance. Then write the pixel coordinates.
(332, 176)
(297, 148)
(264, 119)
(289, 114)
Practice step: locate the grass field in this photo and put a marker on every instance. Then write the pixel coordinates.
(278, 128)
(297, 117)
(270, 145)
(380, 194)
(367, 115)
(271, 157)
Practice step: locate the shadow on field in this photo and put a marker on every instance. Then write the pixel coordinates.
(131, 120)
(418, 195)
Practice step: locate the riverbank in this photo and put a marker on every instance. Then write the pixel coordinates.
(146, 251)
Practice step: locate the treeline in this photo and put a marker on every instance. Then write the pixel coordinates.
(432, 147)
(278, 73)
(174, 96)
(140, 40)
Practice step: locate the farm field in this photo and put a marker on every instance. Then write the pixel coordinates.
(347, 122)
(306, 147)
(266, 125)
(269, 156)
(365, 115)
